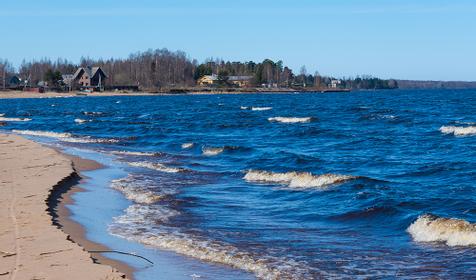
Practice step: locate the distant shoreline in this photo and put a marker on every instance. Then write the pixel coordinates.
(25, 94)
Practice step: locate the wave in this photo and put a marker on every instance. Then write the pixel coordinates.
(244, 108)
(157, 166)
(139, 189)
(212, 151)
(187, 145)
(92, 113)
(131, 153)
(80, 121)
(452, 232)
(261, 108)
(4, 119)
(131, 227)
(65, 137)
(290, 119)
(458, 130)
(298, 180)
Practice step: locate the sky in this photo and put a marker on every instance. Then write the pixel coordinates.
(421, 40)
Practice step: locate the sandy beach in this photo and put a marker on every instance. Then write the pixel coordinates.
(31, 247)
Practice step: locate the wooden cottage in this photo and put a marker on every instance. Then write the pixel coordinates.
(89, 78)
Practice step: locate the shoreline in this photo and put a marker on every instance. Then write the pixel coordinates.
(32, 247)
(63, 196)
(194, 91)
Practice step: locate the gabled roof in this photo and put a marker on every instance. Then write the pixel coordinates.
(90, 71)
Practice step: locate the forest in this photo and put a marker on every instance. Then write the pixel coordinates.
(164, 69)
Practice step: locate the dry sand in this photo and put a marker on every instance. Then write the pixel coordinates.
(31, 247)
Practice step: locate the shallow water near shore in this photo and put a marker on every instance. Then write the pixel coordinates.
(315, 186)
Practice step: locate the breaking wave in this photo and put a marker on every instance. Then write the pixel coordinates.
(212, 151)
(290, 119)
(139, 189)
(298, 180)
(93, 113)
(458, 130)
(65, 137)
(131, 227)
(157, 166)
(187, 145)
(80, 121)
(452, 232)
(130, 153)
(261, 108)
(3, 119)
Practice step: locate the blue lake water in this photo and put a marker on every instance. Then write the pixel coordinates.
(376, 184)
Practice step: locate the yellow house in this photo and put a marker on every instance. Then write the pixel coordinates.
(207, 80)
(239, 81)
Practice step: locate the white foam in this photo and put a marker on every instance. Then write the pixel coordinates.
(290, 119)
(43, 133)
(261, 108)
(2, 115)
(244, 108)
(135, 192)
(130, 153)
(156, 166)
(212, 151)
(452, 232)
(3, 119)
(187, 145)
(298, 180)
(128, 226)
(80, 121)
(458, 130)
(65, 137)
(92, 113)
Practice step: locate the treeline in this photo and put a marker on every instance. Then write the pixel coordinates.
(162, 69)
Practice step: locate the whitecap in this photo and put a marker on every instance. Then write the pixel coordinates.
(135, 192)
(458, 130)
(290, 119)
(4, 119)
(130, 226)
(212, 151)
(65, 137)
(261, 108)
(187, 145)
(157, 166)
(92, 113)
(80, 121)
(452, 232)
(244, 108)
(297, 180)
(131, 153)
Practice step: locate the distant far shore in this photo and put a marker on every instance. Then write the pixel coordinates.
(48, 94)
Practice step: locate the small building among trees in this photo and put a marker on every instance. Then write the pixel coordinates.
(89, 78)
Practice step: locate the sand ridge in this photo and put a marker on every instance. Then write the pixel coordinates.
(30, 246)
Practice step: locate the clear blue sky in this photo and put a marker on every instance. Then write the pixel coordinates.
(388, 38)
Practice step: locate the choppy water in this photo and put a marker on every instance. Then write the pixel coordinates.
(287, 186)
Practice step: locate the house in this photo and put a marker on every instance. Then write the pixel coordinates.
(208, 80)
(240, 81)
(335, 83)
(14, 82)
(91, 78)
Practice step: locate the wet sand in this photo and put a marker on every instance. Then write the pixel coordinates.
(32, 181)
